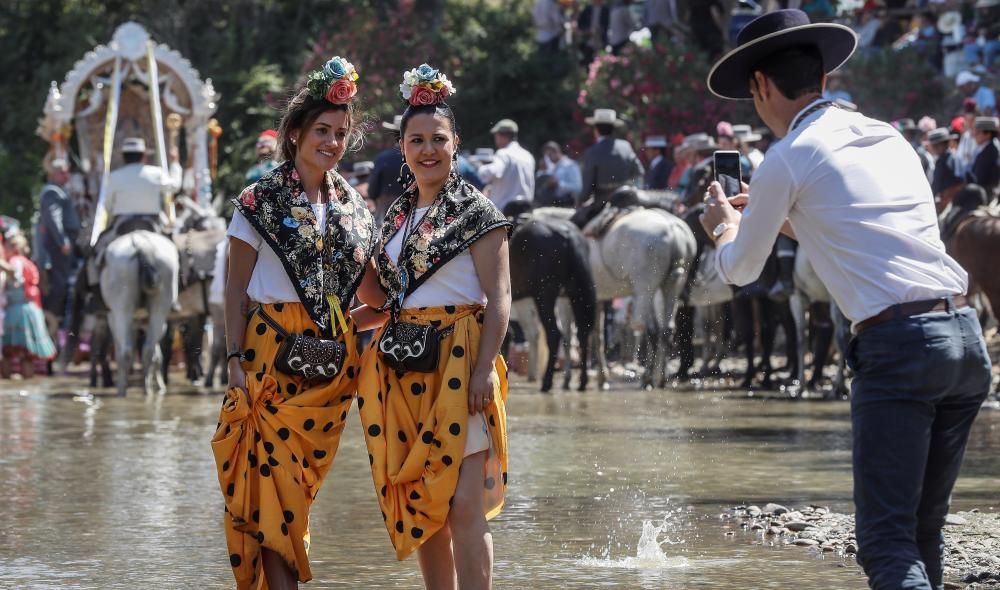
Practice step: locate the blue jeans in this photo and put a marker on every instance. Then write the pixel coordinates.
(919, 382)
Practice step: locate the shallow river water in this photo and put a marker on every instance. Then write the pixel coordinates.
(103, 493)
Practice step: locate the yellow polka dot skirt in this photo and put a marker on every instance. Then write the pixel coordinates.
(416, 426)
(273, 452)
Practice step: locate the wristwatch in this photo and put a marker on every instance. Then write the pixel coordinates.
(721, 229)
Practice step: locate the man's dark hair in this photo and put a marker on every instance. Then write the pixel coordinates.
(132, 157)
(604, 129)
(796, 71)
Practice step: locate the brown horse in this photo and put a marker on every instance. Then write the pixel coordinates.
(972, 236)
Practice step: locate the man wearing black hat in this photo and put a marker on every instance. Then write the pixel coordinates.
(985, 170)
(851, 190)
(383, 185)
(946, 181)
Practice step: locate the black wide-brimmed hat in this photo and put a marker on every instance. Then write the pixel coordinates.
(773, 32)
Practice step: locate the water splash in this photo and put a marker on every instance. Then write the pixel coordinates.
(648, 555)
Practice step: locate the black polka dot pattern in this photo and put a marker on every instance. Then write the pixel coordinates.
(458, 352)
(455, 429)
(260, 329)
(455, 383)
(308, 424)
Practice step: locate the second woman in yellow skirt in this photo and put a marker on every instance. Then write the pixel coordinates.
(437, 435)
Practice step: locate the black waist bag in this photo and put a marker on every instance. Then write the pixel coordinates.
(314, 359)
(410, 347)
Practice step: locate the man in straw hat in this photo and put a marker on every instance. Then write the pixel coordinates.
(383, 185)
(852, 191)
(610, 163)
(985, 169)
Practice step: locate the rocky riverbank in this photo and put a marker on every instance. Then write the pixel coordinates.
(972, 539)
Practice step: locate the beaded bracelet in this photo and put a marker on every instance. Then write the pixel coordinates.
(236, 354)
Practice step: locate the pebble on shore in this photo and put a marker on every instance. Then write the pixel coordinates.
(972, 539)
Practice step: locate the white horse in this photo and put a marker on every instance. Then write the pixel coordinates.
(643, 252)
(140, 272)
(812, 295)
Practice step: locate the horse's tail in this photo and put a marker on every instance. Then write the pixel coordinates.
(149, 276)
(583, 297)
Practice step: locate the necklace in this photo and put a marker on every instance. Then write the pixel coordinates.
(816, 107)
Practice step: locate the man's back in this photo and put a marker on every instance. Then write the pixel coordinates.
(608, 164)
(135, 189)
(861, 208)
(510, 175)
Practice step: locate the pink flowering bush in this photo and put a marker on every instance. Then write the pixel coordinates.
(660, 91)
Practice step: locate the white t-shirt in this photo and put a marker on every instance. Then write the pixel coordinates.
(269, 283)
(455, 283)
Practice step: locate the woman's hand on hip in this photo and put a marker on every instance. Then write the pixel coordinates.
(481, 389)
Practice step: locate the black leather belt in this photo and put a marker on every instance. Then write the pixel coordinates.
(912, 308)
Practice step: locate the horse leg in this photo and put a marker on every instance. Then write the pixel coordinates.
(527, 318)
(166, 346)
(547, 316)
(768, 330)
(684, 341)
(564, 324)
(798, 304)
(786, 320)
(600, 342)
(842, 335)
(583, 316)
(103, 350)
(671, 291)
(152, 355)
(743, 316)
(123, 336)
(644, 323)
(193, 332)
(822, 328)
(714, 341)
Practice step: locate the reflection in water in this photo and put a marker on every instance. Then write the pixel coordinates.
(101, 492)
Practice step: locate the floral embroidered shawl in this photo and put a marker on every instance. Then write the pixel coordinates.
(458, 217)
(319, 261)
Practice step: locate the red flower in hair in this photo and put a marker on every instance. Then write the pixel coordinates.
(423, 95)
(341, 92)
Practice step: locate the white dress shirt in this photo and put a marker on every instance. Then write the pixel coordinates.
(861, 208)
(137, 189)
(509, 175)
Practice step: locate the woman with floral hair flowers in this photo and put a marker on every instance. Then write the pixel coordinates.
(300, 241)
(433, 405)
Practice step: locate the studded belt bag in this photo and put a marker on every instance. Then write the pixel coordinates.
(411, 347)
(314, 359)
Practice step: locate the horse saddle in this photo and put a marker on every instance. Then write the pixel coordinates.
(597, 227)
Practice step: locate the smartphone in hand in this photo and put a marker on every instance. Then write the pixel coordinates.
(728, 171)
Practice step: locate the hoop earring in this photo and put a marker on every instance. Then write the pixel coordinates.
(405, 177)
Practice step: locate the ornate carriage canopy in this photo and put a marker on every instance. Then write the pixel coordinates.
(80, 106)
